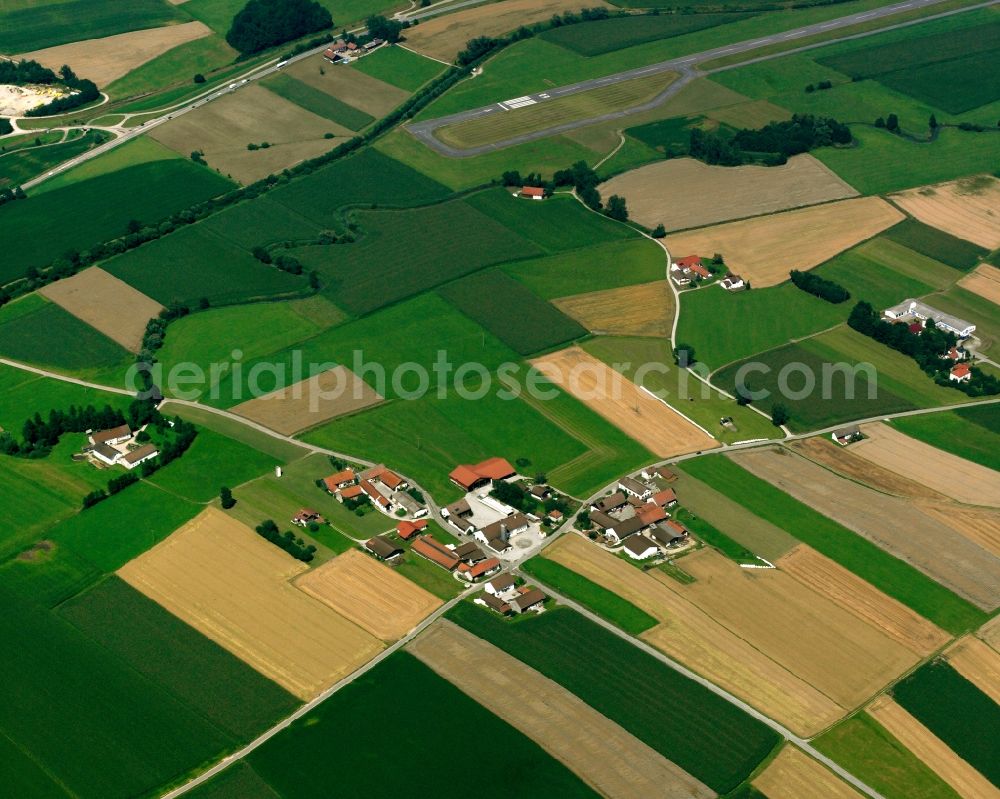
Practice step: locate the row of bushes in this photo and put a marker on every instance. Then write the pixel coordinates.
(820, 287)
(772, 144)
(295, 547)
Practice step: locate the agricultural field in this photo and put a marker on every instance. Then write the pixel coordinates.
(984, 282)
(87, 296)
(763, 250)
(498, 128)
(260, 223)
(21, 165)
(648, 420)
(215, 562)
(569, 729)
(398, 67)
(698, 731)
(175, 68)
(222, 129)
(218, 14)
(793, 774)
(970, 433)
(977, 663)
(318, 102)
(933, 243)
(959, 302)
(512, 312)
(643, 310)
(350, 86)
(966, 208)
(716, 194)
(370, 594)
(141, 150)
(98, 209)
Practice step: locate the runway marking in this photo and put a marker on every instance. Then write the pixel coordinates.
(519, 102)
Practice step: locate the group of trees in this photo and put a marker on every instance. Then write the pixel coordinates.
(927, 348)
(820, 287)
(13, 193)
(519, 497)
(823, 85)
(40, 434)
(261, 24)
(584, 181)
(25, 71)
(380, 27)
(5, 126)
(891, 123)
(156, 330)
(771, 144)
(295, 547)
(585, 15)
(84, 91)
(286, 263)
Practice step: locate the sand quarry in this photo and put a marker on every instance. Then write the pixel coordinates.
(685, 193)
(16, 101)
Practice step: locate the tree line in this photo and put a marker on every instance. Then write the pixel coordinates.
(584, 181)
(820, 287)
(85, 91)
(261, 24)
(771, 145)
(287, 541)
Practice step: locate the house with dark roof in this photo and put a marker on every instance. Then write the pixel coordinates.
(638, 547)
(530, 599)
(610, 503)
(469, 552)
(623, 529)
(633, 487)
(115, 435)
(106, 454)
(493, 602)
(470, 476)
(503, 529)
(846, 435)
(733, 282)
(382, 548)
(144, 453)
(500, 584)
(669, 533)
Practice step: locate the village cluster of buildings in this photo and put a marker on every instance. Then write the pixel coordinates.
(685, 270)
(503, 595)
(915, 315)
(386, 490)
(342, 51)
(118, 446)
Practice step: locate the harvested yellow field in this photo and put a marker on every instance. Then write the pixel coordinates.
(968, 208)
(765, 249)
(310, 402)
(990, 633)
(941, 471)
(105, 60)
(795, 775)
(684, 193)
(230, 584)
(643, 310)
(354, 87)
(638, 414)
(567, 728)
(703, 644)
(980, 525)
(223, 128)
(938, 756)
(444, 37)
(370, 594)
(984, 281)
(978, 663)
(831, 580)
(106, 303)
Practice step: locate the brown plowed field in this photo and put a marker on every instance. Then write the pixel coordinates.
(981, 525)
(850, 592)
(846, 463)
(704, 645)
(643, 310)
(106, 303)
(968, 208)
(643, 417)
(443, 38)
(370, 594)
(806, 632)
(227, 582)
(948, 474)
(684, 193)
(611, 760)
(107, 59)
(763, 250)
(978, 663)
(966, 781)
(891, 523)
(795, 775)
(310, 402)
(985, 282)
(353, 86)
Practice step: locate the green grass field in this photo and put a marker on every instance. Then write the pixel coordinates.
(193, 263)
(176, 67)
(602, 266)
(697, 730)
(868, 278)
(23, 165)
(411, 694)
(46, 24)
(24, 776)
(968, 305)
(512, 312)
(218, 14)
(936, 244)
(398, 67)
(142, 150)
(41, 333)
(279, 448)
(750, 322)
(98, 209)
(592, 596)
(887, 573)
(864, 747)
(959, 432)
(260, 223)
(169, 653)
(318, 102)
(957, 712)
(239, 781)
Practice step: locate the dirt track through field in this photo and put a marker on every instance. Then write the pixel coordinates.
(978, 663)
(703, 644)
(370, 594)
(966, 781)
(984, 281)
(639, 415)
(893, 524)
(795, 775)
(233, 586)
(105, 303)
(310, 402)
(613, 761)
(935, 468)
(105, 60)
(765, 249)
(968, 208)
(684, 193)
(833, 581)
(643, 310)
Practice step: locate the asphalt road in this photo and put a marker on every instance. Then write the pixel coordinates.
(686, 67)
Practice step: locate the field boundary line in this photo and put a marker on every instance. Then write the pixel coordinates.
(683, 416)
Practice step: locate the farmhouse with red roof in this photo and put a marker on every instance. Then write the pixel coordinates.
(471, 476)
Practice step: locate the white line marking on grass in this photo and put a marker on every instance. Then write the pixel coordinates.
(686, 418)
